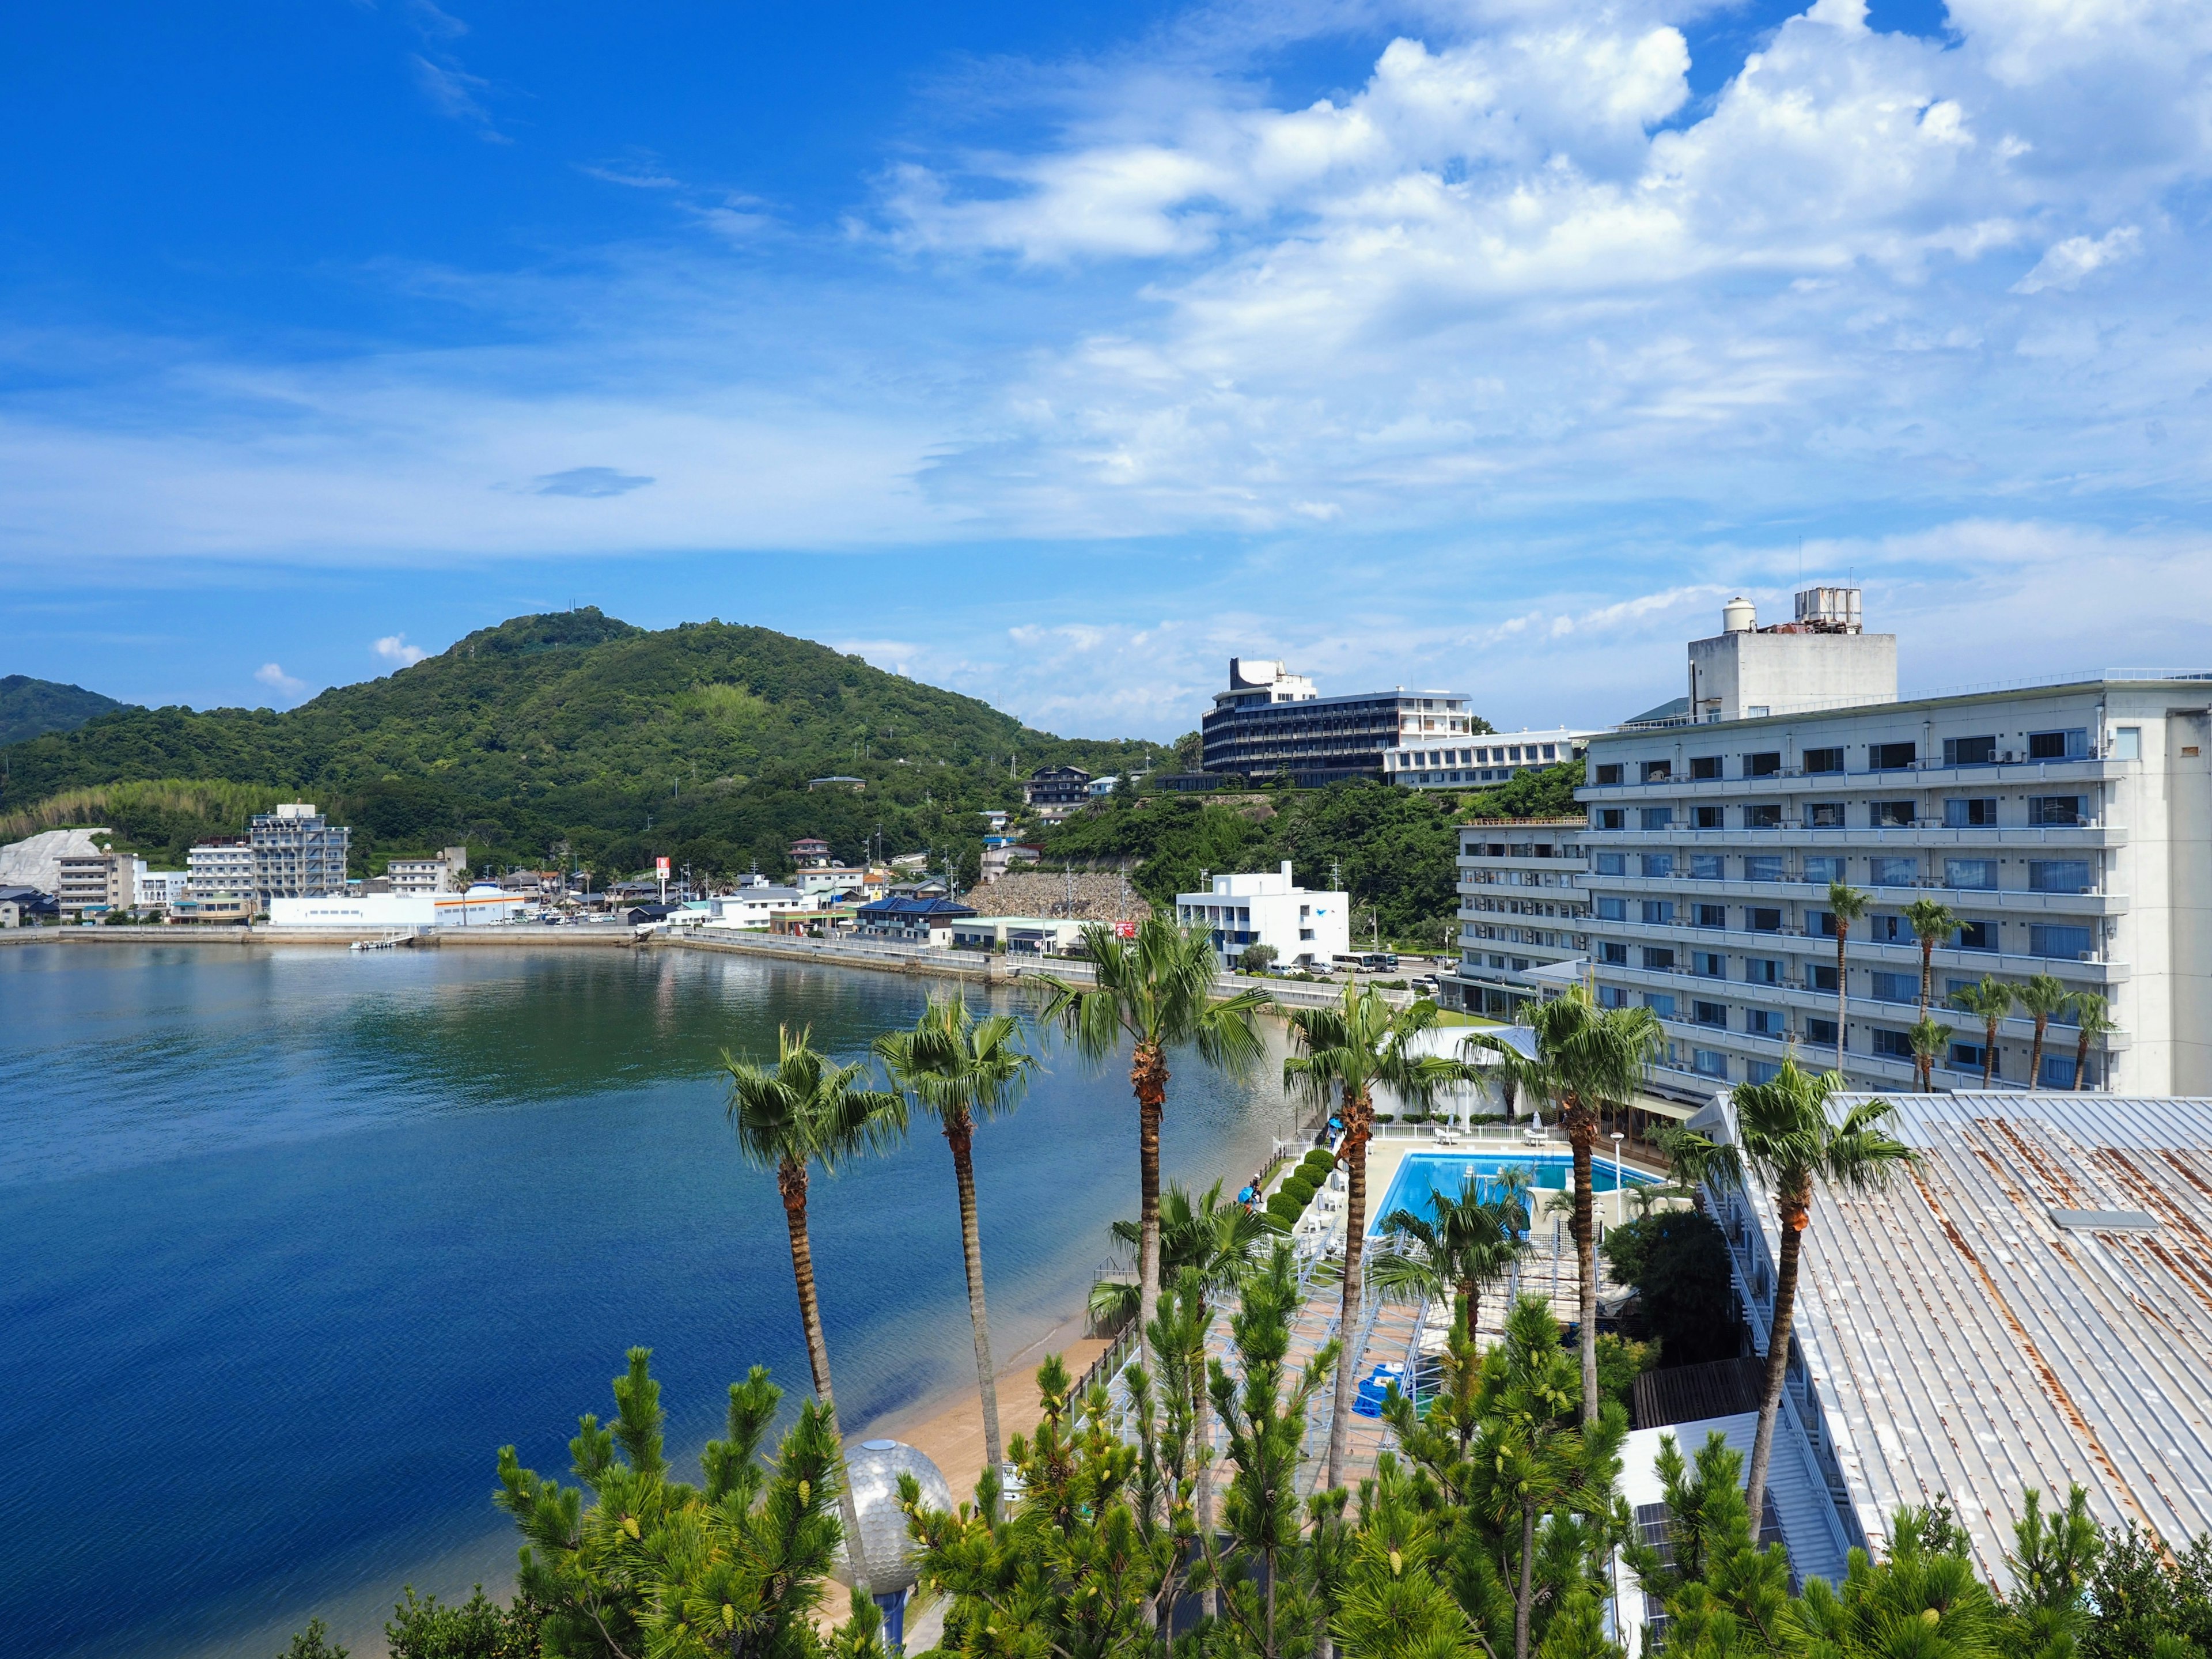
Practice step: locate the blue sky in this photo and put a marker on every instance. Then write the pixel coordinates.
(1058, 354)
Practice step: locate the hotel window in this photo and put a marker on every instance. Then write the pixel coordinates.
(1766, 866)
(1612, 996)
(1550, 752)
(1960, 812)
(1892, 757)
(1706, 867)
(1824, 760)
(1760, 1071)
(1709, 1013)
(1660, 1003)
(1893, 871)
(1612, 818)
(1970, 872)
(2055, 810)
(1823, 870)
(1823, 815)
(1711, 964)
(1659, 913)
(1709, 1062)
(1976, 936)
(1616, 955)
(1821, 976)
(1705, 818)
(1764, 1022)
(1888, 930)
(1891, 814)
(1658, 817)
(1705, 766)
(1896, 987)
(2059, 875)
(1658, 771)
(1821, 1033)
(1894, 1045)
(1822, 922)
(1658, 959)
(1612, 863)
(1767, 815)
(2058, 1071)
(1613, 909)
(2058, 745)
(2127, 742)
(1711, 915)
(1609, 774)
(1764, 765)
(1761, 920)
(1658, 865)
(1761, 970)
(2065, 942)
(1969, 751)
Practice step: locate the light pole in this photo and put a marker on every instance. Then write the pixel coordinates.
(1619, 1193)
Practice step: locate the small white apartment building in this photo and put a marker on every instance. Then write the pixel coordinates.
(2068, 827)
(1269, 908)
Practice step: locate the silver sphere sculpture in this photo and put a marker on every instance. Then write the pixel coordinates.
(874, 1468)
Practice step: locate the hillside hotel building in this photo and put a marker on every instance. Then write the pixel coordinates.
(2068, 826)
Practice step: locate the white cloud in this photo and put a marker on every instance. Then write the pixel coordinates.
(2067, 263)
(453, 92)
(394, 648)
(272, 676)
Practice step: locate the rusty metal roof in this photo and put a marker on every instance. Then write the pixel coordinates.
(1974, 1331)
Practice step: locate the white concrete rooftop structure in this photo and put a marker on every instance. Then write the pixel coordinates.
(1269, 908)
(1821, 661)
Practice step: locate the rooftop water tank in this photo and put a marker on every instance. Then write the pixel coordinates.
(1738, 616)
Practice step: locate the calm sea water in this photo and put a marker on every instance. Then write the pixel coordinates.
(295, 1239)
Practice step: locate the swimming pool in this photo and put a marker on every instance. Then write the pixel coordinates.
(1421, 1176)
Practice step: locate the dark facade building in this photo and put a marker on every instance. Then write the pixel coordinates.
(908, 920)
(1269, 721)
(1057, 786)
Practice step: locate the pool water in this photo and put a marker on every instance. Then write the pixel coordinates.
(1421, 1176)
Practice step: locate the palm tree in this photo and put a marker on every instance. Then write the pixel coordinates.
(2043, 997)
(1347, 1051)
(1931, 920)
(2090, 1016)
(1927, 1036)
(1785, 1137)
(1468, 1247)
(1990, 1001)
(1584, 1058)
(1848, 905)
(958, 1068)
(1218, 1236)
(805, 1112)
(1156, 990)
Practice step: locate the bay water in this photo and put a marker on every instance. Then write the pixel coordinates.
(296, 1238)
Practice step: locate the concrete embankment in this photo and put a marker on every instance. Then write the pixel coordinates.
(969, 966)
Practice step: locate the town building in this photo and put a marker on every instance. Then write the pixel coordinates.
(810, 850)
(1002, 853)
(905, 921)
(1268, 907)
(1270, 720)
(227, 910)
(753, 908)
(1522, 908)
(222, 866)
(2024, 1311)
(1018, 936)
(98, 883)
(1484, 758)
(447, 873)
(297, 854)
(836, 878)
(160, 890)
(2066, 825)
(1053, 792)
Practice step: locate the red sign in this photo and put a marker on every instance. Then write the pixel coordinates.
(660, 865)
(1125, 930)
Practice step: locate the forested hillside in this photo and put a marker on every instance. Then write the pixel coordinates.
(570, 732)
(30, 708)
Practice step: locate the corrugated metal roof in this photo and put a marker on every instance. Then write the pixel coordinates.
(1817, 1545)
(1960, 1339)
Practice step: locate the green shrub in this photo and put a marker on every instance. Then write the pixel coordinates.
(1320, 1158)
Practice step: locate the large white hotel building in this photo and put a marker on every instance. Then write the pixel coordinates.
(2068, 826)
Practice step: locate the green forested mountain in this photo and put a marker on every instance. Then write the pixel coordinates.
(571, 729)
(30, 708)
